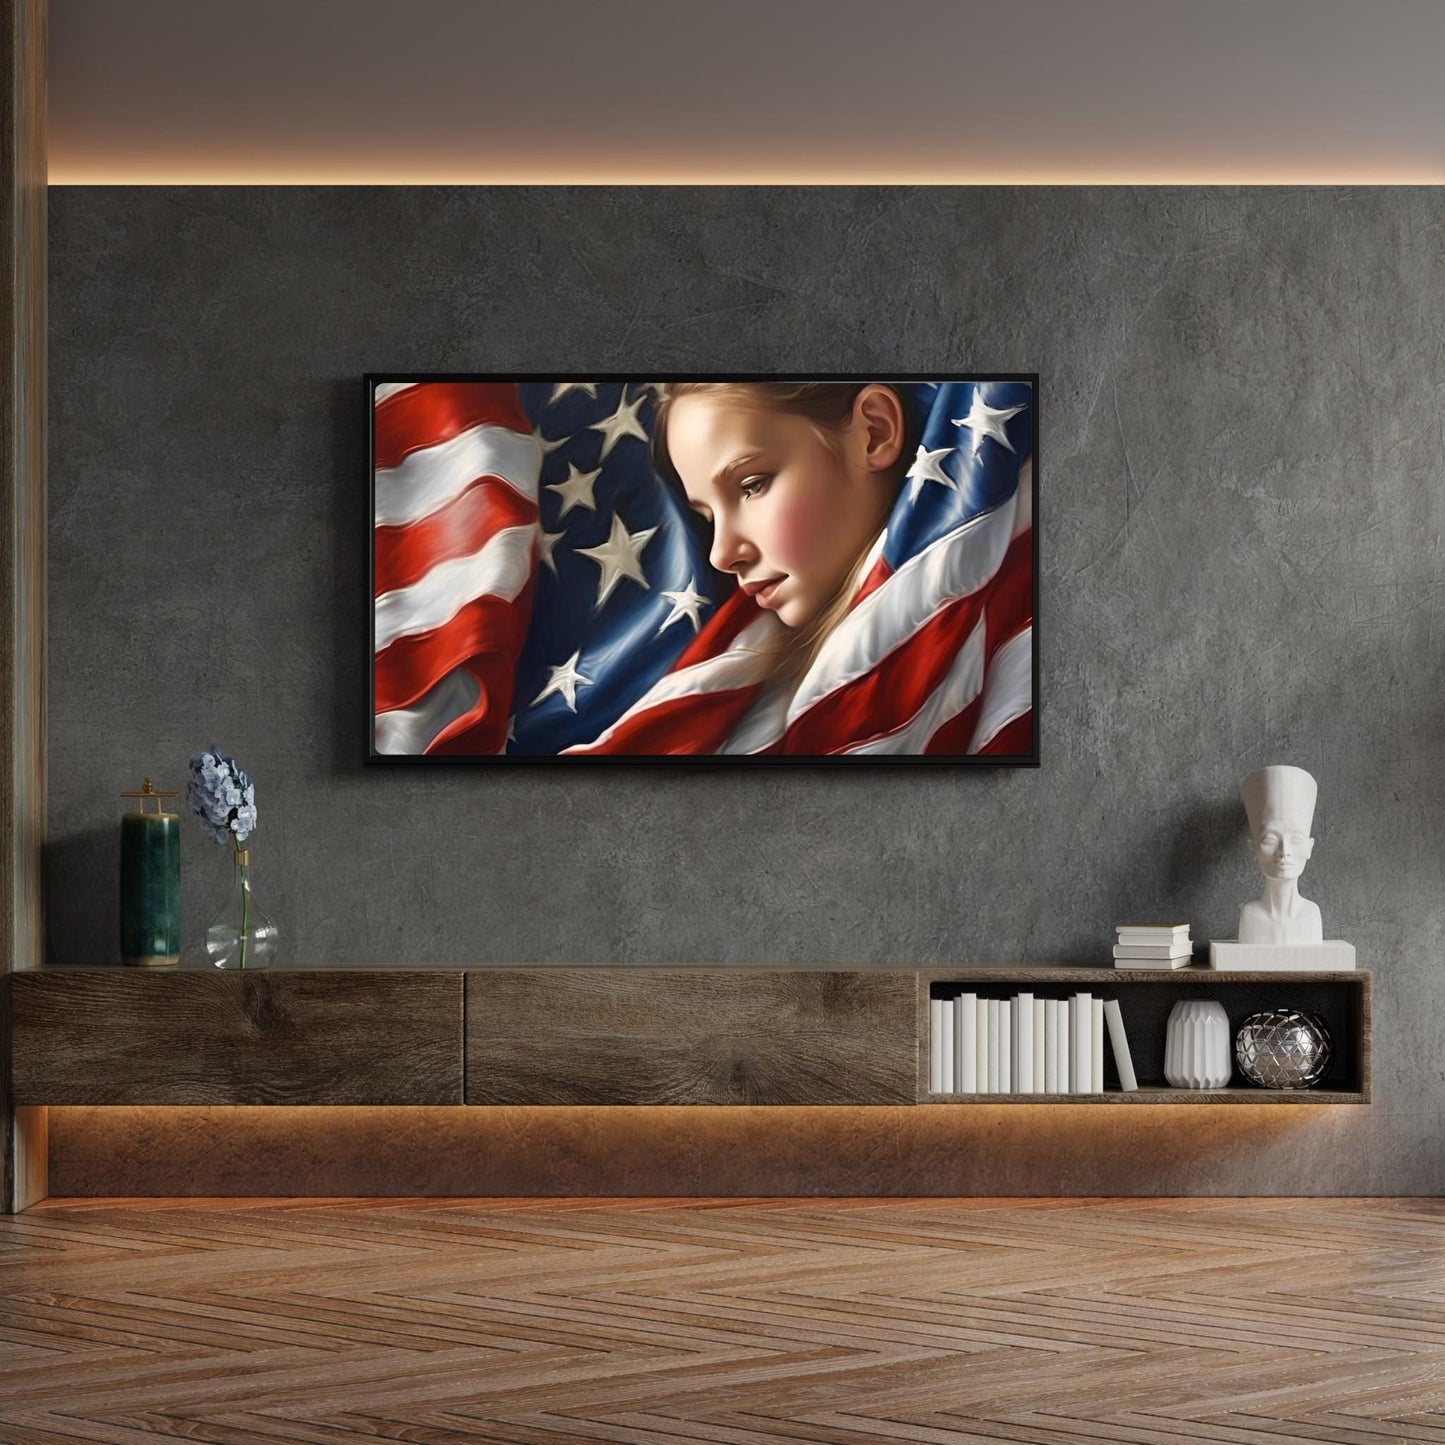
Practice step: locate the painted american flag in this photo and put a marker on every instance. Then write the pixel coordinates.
(539, 589)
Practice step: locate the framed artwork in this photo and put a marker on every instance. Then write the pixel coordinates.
(752, 571)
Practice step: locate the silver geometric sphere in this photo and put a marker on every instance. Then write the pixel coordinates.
(1283, 1048)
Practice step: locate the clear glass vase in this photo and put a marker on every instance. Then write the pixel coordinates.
(241, 933)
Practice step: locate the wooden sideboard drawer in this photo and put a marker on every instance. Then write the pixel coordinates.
(119, 1036)
(678, 1036)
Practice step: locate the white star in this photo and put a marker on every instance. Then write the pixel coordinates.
(512, 728)
(549, 447)
(561, 388)
(619, 556)
(576, 491)
(622, 423)
(546, 545)
(687, 603)
(987, 421)
(928, 467)
(565, 679)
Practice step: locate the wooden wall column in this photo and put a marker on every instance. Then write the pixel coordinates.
(22, 555)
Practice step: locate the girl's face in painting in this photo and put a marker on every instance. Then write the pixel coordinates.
(792, 507)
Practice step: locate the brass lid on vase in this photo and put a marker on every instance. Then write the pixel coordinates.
(148, 792)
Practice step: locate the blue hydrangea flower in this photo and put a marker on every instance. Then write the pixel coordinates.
(222, 796)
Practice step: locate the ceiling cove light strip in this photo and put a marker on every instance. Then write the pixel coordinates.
(1202, 173)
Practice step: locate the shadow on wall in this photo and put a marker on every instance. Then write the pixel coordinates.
(1209, 845)
(82, 897)
(1176, 867)
(349, 538)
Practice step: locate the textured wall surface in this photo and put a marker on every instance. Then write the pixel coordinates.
(1241, 500)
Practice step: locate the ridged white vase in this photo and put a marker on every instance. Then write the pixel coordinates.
(1197, 1053)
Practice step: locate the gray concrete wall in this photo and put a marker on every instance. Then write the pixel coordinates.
(1241, 504)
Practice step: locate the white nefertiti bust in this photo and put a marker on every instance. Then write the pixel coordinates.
(1280, 805)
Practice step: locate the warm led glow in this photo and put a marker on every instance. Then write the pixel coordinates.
(752, 92)
(692, 1116)
(571, 173)
(933, 1150)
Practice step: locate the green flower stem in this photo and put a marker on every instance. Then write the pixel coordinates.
(245, 905)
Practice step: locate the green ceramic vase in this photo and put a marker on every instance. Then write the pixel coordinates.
(150, 888)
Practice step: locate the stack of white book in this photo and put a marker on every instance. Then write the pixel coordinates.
(1153, 945)
(1025, 1044)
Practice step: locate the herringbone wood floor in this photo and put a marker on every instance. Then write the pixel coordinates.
(740, 1322)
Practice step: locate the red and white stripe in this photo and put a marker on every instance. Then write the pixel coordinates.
(454, 545)
(693, 708)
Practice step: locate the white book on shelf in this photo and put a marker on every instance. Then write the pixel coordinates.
(1023, 1047)
(1005, 1047)
(965, 1043)
(981, 1049)
(948, 1045)
(1184, 949)
(1039, 1045)
(1080, 1031)
(1184, 960)
(1062, 1046)
(993, 1026)
(1051, 1045)
(1096, 1046)
(936, 1007)
(1150, 932)
(1119, 1043)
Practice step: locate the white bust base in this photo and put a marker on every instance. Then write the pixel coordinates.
(1258, 923)
(1332, 956)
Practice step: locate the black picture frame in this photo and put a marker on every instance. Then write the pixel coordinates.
(373, 757)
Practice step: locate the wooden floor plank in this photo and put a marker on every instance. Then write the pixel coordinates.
(730, 1322)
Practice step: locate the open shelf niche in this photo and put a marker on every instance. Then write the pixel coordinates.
(1146, 996)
